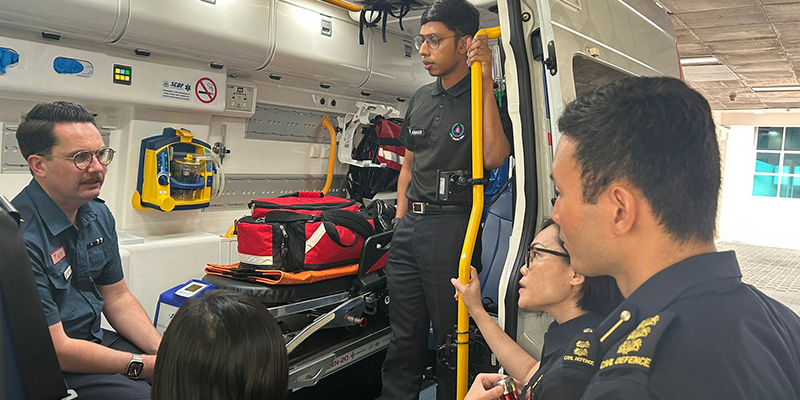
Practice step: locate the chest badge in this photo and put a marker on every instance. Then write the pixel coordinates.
(58, 255)
(457, 131)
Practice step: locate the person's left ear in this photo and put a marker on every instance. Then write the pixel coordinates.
(577, 279)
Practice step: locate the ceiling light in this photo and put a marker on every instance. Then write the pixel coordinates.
(776, 89)
(699, 61)
(758, 111)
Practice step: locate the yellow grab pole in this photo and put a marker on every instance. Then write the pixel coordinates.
(326, 123)
(474, 218)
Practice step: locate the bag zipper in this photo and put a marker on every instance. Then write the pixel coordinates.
(283, 242)
(263, 204)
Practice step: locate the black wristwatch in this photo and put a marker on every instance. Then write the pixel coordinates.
(395, 220)
(135, 367)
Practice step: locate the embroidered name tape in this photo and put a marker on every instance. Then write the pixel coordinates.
(58, 255)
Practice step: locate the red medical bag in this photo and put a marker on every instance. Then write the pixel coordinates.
(302, 231)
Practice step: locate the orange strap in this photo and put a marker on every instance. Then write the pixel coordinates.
(277, 277)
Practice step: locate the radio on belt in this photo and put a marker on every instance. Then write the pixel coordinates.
(172, 299)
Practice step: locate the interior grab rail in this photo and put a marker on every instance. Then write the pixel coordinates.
(474, 218)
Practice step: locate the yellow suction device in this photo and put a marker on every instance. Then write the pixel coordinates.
(176, 172)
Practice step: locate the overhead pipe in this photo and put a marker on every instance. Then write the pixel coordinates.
(344, 4)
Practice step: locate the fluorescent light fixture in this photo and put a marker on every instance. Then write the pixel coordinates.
(699, 61)
(776, 89)
(758, 112)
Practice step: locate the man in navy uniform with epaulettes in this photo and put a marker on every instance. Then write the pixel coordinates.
(637, 172)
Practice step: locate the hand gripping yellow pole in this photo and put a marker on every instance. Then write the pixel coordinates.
(326, 123)
(474, 217)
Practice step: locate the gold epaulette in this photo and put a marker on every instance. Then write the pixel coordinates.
(638, 348)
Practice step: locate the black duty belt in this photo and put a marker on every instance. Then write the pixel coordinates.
(428, 208)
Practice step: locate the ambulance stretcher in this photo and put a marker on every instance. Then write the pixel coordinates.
(331, 324)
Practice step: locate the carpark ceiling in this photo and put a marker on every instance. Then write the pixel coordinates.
(757, 43)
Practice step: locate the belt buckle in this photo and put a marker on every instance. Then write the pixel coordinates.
(418, 208)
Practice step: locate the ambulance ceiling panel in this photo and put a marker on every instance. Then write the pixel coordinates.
(757, 40)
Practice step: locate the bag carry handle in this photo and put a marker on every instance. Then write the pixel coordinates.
(287, 216)
(348, 219)
(317, 195)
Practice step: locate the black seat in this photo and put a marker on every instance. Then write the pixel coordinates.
(30, 366)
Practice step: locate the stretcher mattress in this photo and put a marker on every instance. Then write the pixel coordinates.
(281, 294)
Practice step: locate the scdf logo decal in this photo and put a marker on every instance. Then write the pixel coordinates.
(457, 131)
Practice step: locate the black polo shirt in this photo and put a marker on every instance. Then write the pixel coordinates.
(700, 333)
(438, 129)
(551, 381)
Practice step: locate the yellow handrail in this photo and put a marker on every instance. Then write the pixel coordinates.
(346, 5)
(474, 217)
(326, 123)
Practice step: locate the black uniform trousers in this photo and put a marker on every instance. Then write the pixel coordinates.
(424, 256)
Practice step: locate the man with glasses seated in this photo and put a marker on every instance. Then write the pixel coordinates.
(72, 243)
(429, 233)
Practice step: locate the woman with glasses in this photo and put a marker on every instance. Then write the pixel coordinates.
(575, 302)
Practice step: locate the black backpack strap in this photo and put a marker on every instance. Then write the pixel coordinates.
(38, 364)
(354, 221)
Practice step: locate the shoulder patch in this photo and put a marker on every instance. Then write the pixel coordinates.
(582, 351)
(638, 348)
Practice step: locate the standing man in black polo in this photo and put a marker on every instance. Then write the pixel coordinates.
(429, 234)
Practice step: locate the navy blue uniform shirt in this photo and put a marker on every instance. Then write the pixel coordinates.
(69, 261)
(551, 380)
(695, 331)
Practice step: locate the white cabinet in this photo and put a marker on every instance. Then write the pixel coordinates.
(396, 66)
(233, 33)
(95, 20)
(316, 41)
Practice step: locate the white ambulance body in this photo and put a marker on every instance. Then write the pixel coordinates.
(257, 76)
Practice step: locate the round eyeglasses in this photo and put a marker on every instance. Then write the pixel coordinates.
(83, 158)
(432, 40)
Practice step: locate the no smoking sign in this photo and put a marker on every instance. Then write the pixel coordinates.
(206, 90)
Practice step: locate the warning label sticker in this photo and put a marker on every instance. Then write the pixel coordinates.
(176, 90)
(206, 90)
